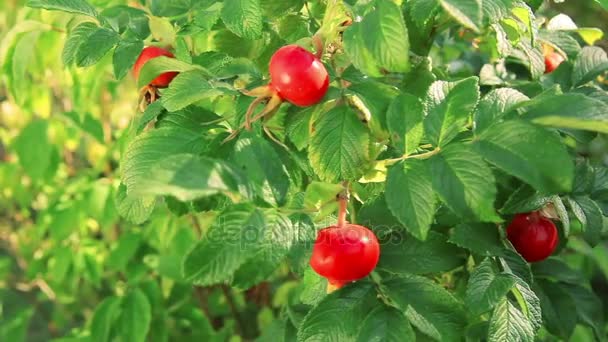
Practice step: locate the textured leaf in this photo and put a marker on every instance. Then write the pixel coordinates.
(529, 153)
(524, 199)
(386, 324)
(487, 287)
(136, 316)
(509, 324)
(404, 119)
(162, 64)
(482, 239)
(187, 177)
(593, 221)
(187, 88)
(263, 167)
(243, 17)
(125, 55)
(495, 105)
(149, 149)
(34, 158)
(339, 315)
(356, 49)
(134, 209)
(70, 6)
(385, 36)
(464, 182)
(570, 110)
(339, 146)
(231, 241)
(449, 105)
(559, 309)
(588, 307)
(466, 12)
(76, 38)
(95, 46)
(432, 304)
(278, 238)
(591, 62)
(409, 196)
(434, 255)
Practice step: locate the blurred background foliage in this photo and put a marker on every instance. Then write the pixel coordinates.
(63, 246)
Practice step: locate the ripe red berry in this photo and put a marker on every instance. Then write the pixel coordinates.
(345, 254)
(298, 76)
(149, 53)
(552, 61)
(533, 236)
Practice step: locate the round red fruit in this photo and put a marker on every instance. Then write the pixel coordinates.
(552, 61)
(533, 236)
(298, 76)
(149, 53)
(345, 254)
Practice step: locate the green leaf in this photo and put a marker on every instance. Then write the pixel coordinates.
(466, 12)
(530, 56)
(385, 36)
(409, 196)
(150, 148)
(591, 62)
(87, 123)
(495, 105)
(278, 237)
(134, 209)
(151, 113)
(135, 317)
(588, 308)
(433, 306)
(70, 6)
(34, 158)
(512, 262)
(593, 219)
(232, 239)
(125, 55)
(524, 199)
(482, 239)
(528, 303)
(75, 39)
(434, 255)
(314, 287)
(508, 323)
(530, 153)
(243, 18)
(124, 250)
(162, 64)
(487, 287)
(448, 106)
(187, 88)
(187, 177)
(404, 119)
(104, 319)
(386, 324)
(95, 46)
(559, 309)
(357, 51)
(464, 182)
(339, 146)
(339, 315)
(571, 110)
(263, 166)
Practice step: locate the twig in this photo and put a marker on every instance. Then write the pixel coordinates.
(413, 156)
(235, 311)
(343, 205)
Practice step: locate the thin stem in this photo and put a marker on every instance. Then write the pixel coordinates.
(310, 16)
(343, 205)
(233, 309)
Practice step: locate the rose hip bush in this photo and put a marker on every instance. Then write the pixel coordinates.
(293, 170)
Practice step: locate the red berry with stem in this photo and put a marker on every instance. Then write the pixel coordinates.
(345, 254)
(533, 236)
(298, 76)
(552, 61)
(149, 53)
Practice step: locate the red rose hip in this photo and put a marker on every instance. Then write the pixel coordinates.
(533, 236)
(552, 61)
(149, 53)
(298, 76)
(345, 254)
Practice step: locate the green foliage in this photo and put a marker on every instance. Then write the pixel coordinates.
(124, 223)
